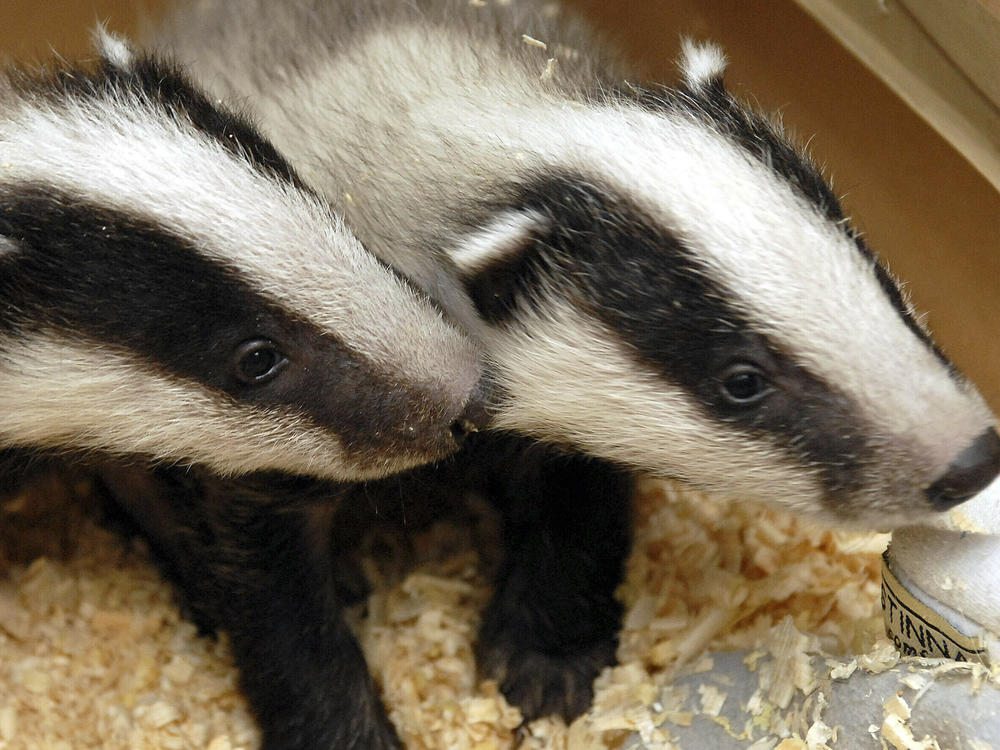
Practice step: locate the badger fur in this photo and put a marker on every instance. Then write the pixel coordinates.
(171, 288)
(628, 250)
(660, 282)
(178, 307)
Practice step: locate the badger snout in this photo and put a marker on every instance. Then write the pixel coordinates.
(476, 416)
(461, 408)
(971, 471)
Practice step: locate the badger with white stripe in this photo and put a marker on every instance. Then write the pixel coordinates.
(659, 279)
(175, 296)
(172, 289)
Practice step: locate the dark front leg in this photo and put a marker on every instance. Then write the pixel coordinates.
(253, 560)
(553, 622)
(300, 666)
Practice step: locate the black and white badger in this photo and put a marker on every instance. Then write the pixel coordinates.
(659, 279)
(172, 296)
(170, 288)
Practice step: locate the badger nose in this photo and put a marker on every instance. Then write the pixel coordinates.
(475, 417)
(975, 467)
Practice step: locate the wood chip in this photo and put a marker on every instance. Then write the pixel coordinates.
(532, 42)
(95, 646)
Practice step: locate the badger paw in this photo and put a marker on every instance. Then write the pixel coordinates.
(543, 684)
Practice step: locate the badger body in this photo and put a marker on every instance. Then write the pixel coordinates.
(177, 307)
(660, 281)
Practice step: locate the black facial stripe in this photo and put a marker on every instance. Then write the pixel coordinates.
(84, 269)
(612, 262)
(89, 272)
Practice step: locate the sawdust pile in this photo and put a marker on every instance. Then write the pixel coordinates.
(93, 653)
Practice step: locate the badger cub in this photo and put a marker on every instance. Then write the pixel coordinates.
(173, 294)
(660, 281)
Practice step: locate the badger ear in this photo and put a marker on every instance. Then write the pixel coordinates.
(494, 263)
(505, 236)
(701, 65)
(115, 51)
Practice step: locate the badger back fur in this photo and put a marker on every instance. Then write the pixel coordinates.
(659, 278)
(171, 288)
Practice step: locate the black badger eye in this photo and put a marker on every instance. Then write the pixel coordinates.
(743, 384)
(256, 361)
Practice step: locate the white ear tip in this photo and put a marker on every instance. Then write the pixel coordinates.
(500, 237)
(113, 49)
(701, 63)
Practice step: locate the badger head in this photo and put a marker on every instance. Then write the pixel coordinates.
(669, 284)
(171, 288)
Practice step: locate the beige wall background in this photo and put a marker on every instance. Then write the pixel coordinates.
(921, 206)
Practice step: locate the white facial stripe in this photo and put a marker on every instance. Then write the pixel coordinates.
(125, 155)
(608, 406)
(61, 394)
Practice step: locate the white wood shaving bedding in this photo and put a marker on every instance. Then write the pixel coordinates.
(532, 42)
(93, 653)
